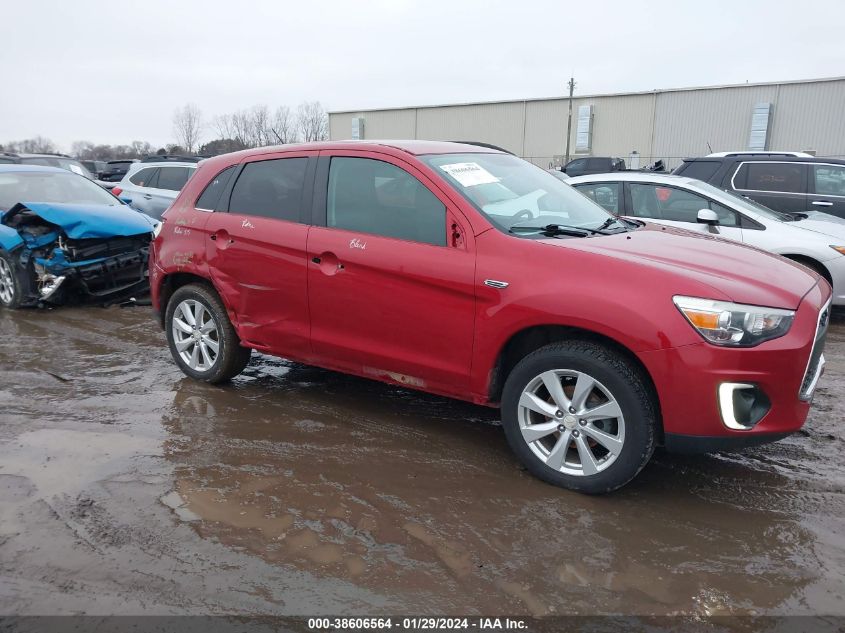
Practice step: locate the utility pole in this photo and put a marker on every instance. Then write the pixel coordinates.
(571, 85)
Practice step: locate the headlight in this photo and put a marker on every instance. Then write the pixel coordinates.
(157, 229)
(838, 249)
(734, 324)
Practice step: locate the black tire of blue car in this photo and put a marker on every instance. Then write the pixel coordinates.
(17, 292)
(620, 377)
(232, 358)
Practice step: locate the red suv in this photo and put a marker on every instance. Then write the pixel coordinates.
(464, 271)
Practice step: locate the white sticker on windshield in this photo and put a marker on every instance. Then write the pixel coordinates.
(76, 169)
(469, 174)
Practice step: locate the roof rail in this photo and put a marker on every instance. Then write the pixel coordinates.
(171, 157)
(487, 145)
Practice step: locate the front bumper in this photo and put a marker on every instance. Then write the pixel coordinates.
(688, 381)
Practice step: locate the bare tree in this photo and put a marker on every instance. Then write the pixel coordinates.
(187, 126)
(312, 121)
(35, 145)
(283, 126)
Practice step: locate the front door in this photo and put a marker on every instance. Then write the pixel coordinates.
(678, 207)
(827, 189)
(256, 252)
(390, 274)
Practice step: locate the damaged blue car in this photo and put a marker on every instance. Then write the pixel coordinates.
(64, 239)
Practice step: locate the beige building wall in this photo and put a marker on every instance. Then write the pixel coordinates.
(669, 124)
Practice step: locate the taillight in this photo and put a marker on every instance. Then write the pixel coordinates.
(117, 191)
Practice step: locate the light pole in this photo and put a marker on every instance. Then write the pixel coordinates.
(571, 85)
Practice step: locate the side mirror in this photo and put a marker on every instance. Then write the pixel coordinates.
(708, 216)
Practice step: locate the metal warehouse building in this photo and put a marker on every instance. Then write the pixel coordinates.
(804, 115)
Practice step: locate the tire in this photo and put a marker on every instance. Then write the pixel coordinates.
(211, 327)
(11, 293)
(588, 448)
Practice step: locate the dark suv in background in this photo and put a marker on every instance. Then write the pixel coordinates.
(783, 182)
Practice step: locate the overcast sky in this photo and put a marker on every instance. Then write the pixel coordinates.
(115, 72)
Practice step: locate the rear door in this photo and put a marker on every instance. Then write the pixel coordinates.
(827, 189)
(135, 192)
(390, 274)
(779, 185)
(256, 249)
(674, 206)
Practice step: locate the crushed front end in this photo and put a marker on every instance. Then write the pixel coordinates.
(56, 269)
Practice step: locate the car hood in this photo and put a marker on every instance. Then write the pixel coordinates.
(736, 272)
(87, 221)
(823, 223)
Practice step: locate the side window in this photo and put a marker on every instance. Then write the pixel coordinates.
(143, 177)
(727, 217)
(666, 203)
(829, 180)
(211, 195)
(173, 178)
(604, 193)
(577, 165)
(701, 169)
(779, 177)
(375, 197)
(270, 188)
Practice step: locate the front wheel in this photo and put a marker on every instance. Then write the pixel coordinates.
(202, 340)
(10, 287)
(579, 415)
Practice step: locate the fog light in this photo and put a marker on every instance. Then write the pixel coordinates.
(742, 405)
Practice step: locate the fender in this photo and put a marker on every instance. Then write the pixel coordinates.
(9, 238)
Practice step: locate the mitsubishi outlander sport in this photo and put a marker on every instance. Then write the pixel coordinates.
(467, 272)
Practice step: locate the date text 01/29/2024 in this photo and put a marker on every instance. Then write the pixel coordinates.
(417, 623)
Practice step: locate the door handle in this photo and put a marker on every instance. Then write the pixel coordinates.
(147, 196)
(328, 263)
(822, 203)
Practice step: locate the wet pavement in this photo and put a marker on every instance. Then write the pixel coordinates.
(126, 488)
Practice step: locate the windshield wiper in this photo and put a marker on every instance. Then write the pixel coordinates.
(559, 229)
(607, 223)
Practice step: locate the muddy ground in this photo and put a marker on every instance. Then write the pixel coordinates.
(126, 488)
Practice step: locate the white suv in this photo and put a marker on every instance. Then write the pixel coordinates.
(812, 238)
(151, 185)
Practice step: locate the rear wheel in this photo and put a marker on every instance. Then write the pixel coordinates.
(10, 288)
(202, 340)
(579, 415)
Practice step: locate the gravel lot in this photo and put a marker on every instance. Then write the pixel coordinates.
(126, 488)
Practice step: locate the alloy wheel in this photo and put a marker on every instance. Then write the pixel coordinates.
(7, 283)
(196, 335)
(571, 422)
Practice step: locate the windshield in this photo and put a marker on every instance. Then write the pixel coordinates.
(22, 186)
(744, 203)
(511, 192)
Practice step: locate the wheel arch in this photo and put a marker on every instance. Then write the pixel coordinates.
(811, 263)
(530, 339)
(171, 283)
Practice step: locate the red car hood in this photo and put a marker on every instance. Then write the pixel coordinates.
(741, 273)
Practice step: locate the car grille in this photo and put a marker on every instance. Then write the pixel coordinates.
(816, 363)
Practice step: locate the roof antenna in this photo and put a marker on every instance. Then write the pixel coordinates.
(709, 149)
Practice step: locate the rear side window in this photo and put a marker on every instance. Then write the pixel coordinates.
(779, 177)
(211, 195)
(173, 178)
(375, 197)
(144, 177)
(270, 188)
(701, 169)
(604, 193)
